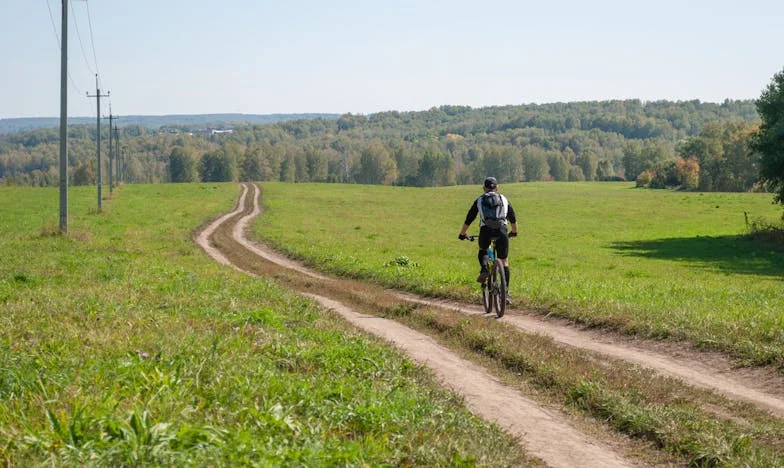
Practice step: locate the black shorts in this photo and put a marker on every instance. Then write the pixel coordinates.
(501, 237)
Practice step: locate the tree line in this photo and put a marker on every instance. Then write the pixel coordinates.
(689, 144)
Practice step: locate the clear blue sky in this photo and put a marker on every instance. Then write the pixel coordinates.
(263, 57)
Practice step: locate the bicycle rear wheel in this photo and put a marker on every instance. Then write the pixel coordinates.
(487, 296)
(499, 291)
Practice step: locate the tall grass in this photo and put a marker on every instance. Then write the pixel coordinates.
(123, 344)
(655, 263)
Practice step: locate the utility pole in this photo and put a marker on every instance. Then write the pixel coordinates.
(125, 163)
(64, 121)
(117, 157)
(111, 182)
(98, 97)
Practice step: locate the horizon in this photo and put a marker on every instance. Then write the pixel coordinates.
(643, 102)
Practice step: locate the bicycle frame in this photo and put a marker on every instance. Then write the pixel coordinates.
(494, 287)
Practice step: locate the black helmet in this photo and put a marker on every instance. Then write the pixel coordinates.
(491, 183)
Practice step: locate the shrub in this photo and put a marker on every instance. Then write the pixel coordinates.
(645, 177)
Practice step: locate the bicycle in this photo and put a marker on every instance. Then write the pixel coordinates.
(494, 287)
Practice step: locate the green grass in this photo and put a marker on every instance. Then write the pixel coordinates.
(124, 344)
(654, 263)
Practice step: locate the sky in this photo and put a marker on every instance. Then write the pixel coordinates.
(161, 57)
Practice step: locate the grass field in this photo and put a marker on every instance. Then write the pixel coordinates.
(654, 263)
(124, 344)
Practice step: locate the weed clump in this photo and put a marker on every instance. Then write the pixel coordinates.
(767, 232)
(50, 230)
(401, 261)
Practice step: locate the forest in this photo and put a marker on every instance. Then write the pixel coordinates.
(691, 145)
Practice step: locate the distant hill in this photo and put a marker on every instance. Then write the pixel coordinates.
(157, 121)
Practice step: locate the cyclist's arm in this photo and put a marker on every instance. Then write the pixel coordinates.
(470, 217)
(512, 217)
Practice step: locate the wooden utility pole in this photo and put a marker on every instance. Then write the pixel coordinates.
(64, 121)
(98, 97)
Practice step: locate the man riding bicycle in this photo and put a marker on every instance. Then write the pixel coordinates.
(494, 210)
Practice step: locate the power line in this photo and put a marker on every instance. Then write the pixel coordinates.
(92, 40)
(54, 28)
(73, 83)
(79, 36)
(59, 46)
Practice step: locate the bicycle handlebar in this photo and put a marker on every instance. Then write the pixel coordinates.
(473, 238)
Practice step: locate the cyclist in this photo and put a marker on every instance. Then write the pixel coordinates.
(494, 210)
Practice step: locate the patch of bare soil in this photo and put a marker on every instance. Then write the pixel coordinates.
(545, 433)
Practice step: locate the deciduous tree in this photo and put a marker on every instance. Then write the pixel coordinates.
(769, 140)
(182, 165)
(215, 166)
(251, 168)
(376, 165)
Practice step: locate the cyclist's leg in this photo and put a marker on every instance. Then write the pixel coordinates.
(502, 246)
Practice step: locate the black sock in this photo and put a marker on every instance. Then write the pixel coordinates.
(506, 272)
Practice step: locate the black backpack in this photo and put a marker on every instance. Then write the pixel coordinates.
(493, 213)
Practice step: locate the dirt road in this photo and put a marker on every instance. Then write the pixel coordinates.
(545, 433)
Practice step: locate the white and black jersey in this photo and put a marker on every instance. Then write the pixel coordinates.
(504, 212)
